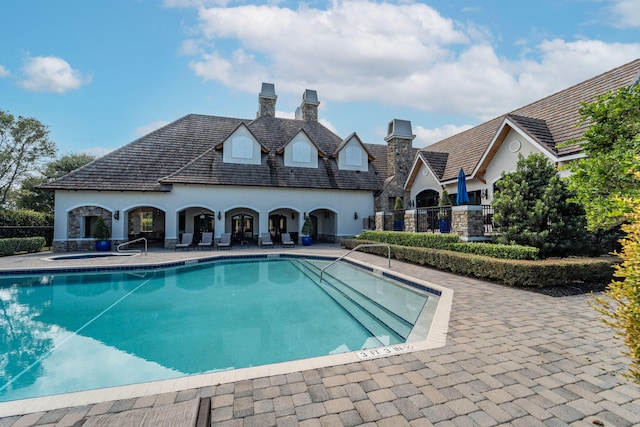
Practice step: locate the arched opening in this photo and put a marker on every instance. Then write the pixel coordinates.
(242, 227)
(277, 225)
(147, 222)
(427, 198)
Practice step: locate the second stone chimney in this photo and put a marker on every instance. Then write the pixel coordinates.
(399, 151)
(308, 110)
(267, 101)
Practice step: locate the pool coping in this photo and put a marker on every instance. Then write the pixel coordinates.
(435, 337)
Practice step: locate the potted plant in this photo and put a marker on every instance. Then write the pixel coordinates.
(102, 235)
(398, 223)
(307, 230)
(444, 215)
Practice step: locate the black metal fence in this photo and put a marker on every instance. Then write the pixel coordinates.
(427, 219)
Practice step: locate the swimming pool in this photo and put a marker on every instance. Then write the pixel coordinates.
(82, 331)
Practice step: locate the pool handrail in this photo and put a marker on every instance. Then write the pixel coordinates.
(133, 241)
(362, 245)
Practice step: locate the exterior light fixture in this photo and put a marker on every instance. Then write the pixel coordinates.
(219, 216)
(116, 215)
(355, 215)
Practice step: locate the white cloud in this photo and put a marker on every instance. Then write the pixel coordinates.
(626, 13)
(405, 55)
(51, 74)
(426, 136)
(150, 127)
(4, 72)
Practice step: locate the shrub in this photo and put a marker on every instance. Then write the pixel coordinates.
(496, 250)
(521, 273)
(425, 240)
(13, 246)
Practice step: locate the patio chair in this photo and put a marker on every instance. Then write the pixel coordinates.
(286, 240)
(185, 242)
(207, 241)
(225, 241)
(265, 240)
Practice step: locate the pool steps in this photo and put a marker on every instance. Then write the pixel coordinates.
(384, 322)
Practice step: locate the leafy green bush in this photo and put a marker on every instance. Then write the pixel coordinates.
(13, 246)
(521, 273)
(425, 240)
(497, 250)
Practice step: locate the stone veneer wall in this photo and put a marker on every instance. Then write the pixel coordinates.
(75, 241)
(467, 222)
(266, 107)
(410, 221)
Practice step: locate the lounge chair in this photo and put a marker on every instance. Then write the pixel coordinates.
(265, 240)
(207, 241)
(286, 240)
(225, 241)
(186, 242)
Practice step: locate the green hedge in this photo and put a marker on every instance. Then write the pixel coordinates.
(496, 250)
(13, 246)
(522, 273)
(425, 240)
(451, 242)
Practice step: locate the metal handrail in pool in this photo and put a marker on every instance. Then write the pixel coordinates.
(363, 245)
(133, 241)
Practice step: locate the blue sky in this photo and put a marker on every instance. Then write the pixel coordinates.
(101, 73)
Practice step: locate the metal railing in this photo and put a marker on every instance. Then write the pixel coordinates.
(140, 239)
(363, 245)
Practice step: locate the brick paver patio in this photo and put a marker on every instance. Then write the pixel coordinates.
(512, 358)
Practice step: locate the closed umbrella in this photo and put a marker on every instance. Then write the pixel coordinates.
(462, 198)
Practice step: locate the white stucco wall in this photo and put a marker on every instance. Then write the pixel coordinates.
(506, 159)
(226, 200)
(424, 181)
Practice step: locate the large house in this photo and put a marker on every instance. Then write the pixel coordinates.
(251, 176)
(225, 175)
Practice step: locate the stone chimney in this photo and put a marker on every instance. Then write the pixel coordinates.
(399, 151)
(267, 101)
(308, 110)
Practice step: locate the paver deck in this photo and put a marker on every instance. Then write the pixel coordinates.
(512, 358)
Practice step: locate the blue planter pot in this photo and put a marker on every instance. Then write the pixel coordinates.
(306, 240)
(398, 225)
(103, 245)
(444, 225)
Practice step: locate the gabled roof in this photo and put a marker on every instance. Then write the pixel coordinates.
(185, 152)
(346, 141)
(302, 131)
(551, 122)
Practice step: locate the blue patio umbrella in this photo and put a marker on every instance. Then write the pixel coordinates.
(462, 198)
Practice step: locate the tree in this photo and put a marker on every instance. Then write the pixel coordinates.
(602, 180)
(24, 144)
(620, 304)
(30, 197)
(532, 207)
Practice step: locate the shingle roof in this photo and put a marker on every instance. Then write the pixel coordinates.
(185, 152)
(551, 121)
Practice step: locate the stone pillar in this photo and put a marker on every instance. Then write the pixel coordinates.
(467, 222)
(410, 221)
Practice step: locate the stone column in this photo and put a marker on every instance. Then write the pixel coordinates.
(467, 222)
(379, 221)
(410, 221)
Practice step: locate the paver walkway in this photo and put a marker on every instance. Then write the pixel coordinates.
(511, 358)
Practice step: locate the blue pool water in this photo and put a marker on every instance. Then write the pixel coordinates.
(80, 331)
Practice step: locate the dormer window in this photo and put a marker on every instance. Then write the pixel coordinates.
(242, 147)
(353, 156)
(301, 152)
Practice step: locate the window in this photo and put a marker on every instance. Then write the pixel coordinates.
(301, 152)
(354, 156)
(89, 225)
(242, 147)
